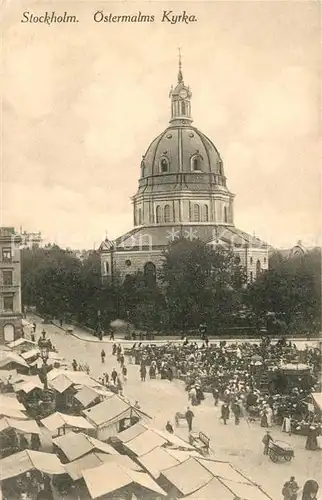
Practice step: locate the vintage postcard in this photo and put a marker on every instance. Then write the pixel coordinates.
(160, 250)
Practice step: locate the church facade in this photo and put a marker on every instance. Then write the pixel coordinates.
(182, 192)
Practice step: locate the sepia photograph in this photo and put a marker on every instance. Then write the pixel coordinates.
(160, 250)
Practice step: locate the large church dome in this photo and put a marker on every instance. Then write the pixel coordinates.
(182, 178)
(185, 149)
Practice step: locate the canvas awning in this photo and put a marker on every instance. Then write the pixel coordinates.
(94, 459)
(26, 426)
(77, 378)
(9, 412)
(144, 443)
(11, 358)
(187, 477)
(75, 445)
(58, 420)
(20, 342)
(157, 460)
(223, 470)
(317, 397)
(11, 402)
(131, 433)
(27, 460)
(109, 411)
(61, 383)
(30, 354)
(27, 387)
(110, 477)
(86, 396)
(212, 491)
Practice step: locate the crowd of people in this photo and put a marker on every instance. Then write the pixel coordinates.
(248, 378)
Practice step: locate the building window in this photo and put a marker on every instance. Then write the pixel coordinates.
(196, 163)
(251, 276)
(205, 213)
(265, 260)
(258, 268)
(158, 214)
(150, 272)
(251, 261)
(164, 165)
(106, 267)
(183, 108)
(140, 216)
(167, 213)
(142, 168)
(220, 168)
(196, 213)
(128, 263)
(8, 302)
(6, 255)
(237, 260)
(7, 278)
(225, 214)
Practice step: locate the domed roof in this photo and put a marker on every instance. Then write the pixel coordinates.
(179, 146)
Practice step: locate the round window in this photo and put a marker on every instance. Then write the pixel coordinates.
(128, 262)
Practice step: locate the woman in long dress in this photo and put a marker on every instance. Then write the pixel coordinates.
(269, 416)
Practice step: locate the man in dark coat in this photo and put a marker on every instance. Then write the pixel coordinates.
(225, 413)
(266, 440)
(189, 417)
(290, 489)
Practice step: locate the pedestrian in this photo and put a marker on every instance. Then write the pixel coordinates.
(310, 490)
(225, 413)
(137, 405)
(34, 327)
(35, 442)
(119, 386)
(266, 441)
(114, 376)
(215, 394)
(103, 355)
(122, 360)
(189, 417)
(114, 349)
(74, 365)
(124, 373)
(143, 372)
(169, 427)
(106, 378)
(290, 489)
(61, 323)
(237, 412)
(112, 335)
(311, 440)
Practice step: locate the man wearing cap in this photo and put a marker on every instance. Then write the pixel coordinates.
(290, 489)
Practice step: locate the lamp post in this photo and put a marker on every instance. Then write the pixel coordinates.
(44, 347)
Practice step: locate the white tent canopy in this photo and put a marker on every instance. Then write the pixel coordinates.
(27, 460)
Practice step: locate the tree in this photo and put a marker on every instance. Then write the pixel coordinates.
(200, 283)
(289, 293)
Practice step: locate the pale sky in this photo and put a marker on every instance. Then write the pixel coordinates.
(82, 102)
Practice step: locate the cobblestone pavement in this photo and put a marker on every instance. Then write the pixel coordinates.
(241, 445)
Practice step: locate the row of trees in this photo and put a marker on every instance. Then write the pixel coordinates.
(196, 284)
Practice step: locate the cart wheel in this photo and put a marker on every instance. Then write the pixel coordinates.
(273, 456)
(288, 458)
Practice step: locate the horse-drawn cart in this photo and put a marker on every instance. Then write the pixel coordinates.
(279, 450)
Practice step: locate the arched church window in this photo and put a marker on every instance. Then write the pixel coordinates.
(150, 272)
(164, 165)
(158, 214)
(195, 163)
(258, 268)
(220, 168)
(206, 213)
(105, 267)
(167, 213)
(196, 213)
(183, 108)
(225, 214)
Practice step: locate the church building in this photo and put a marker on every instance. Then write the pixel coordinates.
(182, 192)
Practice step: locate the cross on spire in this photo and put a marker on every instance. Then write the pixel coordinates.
(180, 76)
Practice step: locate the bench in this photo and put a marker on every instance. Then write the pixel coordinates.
(200, 441)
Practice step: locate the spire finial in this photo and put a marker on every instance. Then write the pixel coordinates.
(180, 77)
